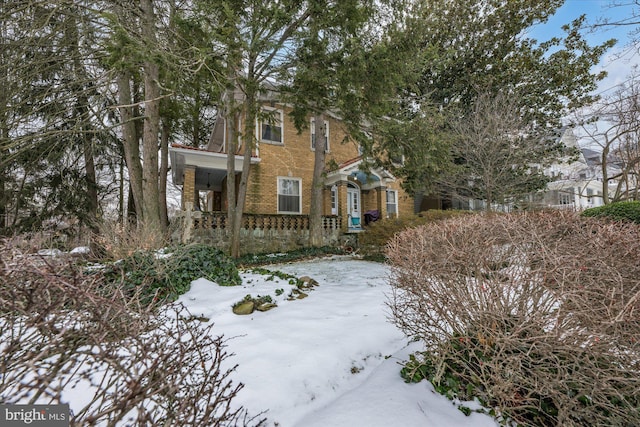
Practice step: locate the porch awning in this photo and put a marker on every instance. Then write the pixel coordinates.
(211, 167)
(367, 178)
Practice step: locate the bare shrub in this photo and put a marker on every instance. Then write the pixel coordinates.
(119, 241)
(538, 315)
(377, 234)
(63, 329)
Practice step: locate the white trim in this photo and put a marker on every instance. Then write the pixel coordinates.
(288, 178)
(312, 131)
(334, 200)
(354, 205)
(393, 203)
(224, 135)
(260, 122)
(180, 157)
(342, 174)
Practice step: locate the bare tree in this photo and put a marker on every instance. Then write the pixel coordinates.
(613, 125)
(497, 153)
(625, 14)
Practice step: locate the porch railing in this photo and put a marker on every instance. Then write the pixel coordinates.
(218, 220)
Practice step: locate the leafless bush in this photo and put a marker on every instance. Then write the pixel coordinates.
(65, 335)
(119, 241)
(377, 234)
(538, 315)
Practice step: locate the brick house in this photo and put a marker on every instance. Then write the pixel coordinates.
(281, 175)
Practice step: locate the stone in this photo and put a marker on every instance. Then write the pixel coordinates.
(244, 308)
(308, 281)
(266, 306)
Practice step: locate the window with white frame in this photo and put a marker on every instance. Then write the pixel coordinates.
(270, 126)
(590, 195)
(566, 197)
(313, 135)
(392, 202)
(289, 195)
(223, 147)
(334, 200)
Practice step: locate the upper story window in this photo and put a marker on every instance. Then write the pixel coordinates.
(270, 126)
(289, 195)
(313, 135)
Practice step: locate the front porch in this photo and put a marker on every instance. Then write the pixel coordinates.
(260, 233)
(218, 220)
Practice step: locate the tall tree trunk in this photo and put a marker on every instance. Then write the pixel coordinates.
(232, 123)
(130, 141)
(4, 152)
(317, 205)
(92, 184)
(132, 209)
(151, 201)
(4, 199)
(121, 206)
(164, 170)
(4, 127)
(247, 138)
(82, 118)
(230, 133)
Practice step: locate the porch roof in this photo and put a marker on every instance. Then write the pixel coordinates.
(211, 167)
(367, 178)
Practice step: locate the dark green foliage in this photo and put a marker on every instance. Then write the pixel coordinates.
(456, 51)
(619, 211)
(141, 276)
(271, 275)
(194, 261)
(418, 368)
(157, 279)
(258, 300)
(304, 253)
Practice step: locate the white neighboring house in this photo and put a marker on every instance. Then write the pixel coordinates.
(576, 185)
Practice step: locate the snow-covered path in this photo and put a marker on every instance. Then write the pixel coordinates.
(330, 359)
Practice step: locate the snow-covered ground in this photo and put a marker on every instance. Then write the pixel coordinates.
(331, 359)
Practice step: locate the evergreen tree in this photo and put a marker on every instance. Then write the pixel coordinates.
(255, 36)
(460, 50)
(50, 120)
(334, 32)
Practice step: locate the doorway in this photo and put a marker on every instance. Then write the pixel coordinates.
(354, 210)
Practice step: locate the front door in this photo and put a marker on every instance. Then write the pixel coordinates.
(354, 211)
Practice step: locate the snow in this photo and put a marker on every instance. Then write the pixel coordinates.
(330, 359)
(80, 250)
(50, 252)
